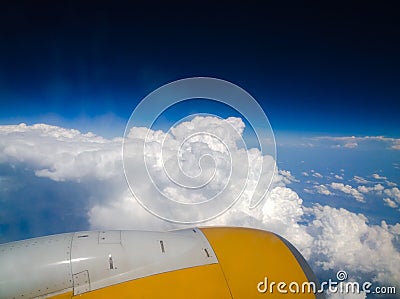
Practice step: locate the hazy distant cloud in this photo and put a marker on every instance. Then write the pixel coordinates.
(348, 190)
(338, 177)
(345, 142)
(351, 145)
(304, 173)
(396, 144)
(351, 142)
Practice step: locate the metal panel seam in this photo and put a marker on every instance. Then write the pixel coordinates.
(70, 261)
(226, 281)
(216, 257)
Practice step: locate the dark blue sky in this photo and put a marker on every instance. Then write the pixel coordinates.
(314, 68)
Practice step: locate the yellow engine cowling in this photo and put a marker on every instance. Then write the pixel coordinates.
(213, 262)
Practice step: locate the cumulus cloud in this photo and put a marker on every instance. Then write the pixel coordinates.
(393, 193)
(201, 163)
(377, 188)
(348, 190)
(338, 177)
(60, 154)
(350, 145)
(390, 203)
(288, 178)
(378, 177)
(330, 238)
(360, 180)
(350, 243)
(317, 175)
(322, 189)
(363, 189)
(391, 184)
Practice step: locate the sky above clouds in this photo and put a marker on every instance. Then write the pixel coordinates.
(322, 68)
(325, 75)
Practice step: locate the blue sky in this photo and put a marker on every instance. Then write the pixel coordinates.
(324, 69)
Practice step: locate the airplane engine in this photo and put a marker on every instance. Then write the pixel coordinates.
(212, 262)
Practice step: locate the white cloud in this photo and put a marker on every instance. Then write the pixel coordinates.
(395, 229)
(304, 173)
(348, 190)
(363, 189)
(124, 212)
(61, 154)
(322, 189)
(348, 242)
(203, 152)
(317, 175)
(378, 177)
(350, 295)
(338, 177)
(330, 238)
(356, 141)
(393, 193)
(351, 145)
(396, 144)
(390, 203)
(377, 188)
(390, 184)
(288, 178)
(360, 180)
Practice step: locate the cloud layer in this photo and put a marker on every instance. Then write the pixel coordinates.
(330, 238)
(355, 141)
